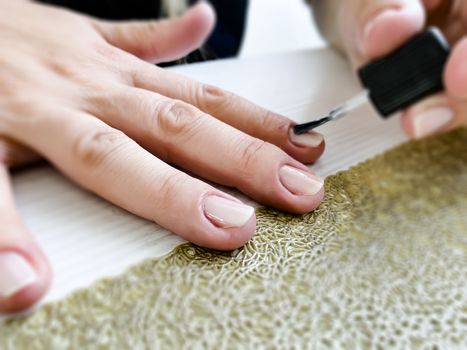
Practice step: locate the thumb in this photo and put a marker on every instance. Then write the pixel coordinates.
(371, 29)
(25, 273)
(456, 71)
(164, 40)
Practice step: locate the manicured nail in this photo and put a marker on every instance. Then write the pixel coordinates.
(227, 213)
(300, 182)
(431, 121)
(15, 274)
(309, 139)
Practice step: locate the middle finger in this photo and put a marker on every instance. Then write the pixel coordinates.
(182, 134)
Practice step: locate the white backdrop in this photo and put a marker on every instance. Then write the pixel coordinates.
(278, 26)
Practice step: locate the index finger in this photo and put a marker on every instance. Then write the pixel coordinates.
(233, 110)
(372, 29)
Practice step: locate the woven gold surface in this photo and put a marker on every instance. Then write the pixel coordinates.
(381, 264)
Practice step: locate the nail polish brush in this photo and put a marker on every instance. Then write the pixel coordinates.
(397, 80)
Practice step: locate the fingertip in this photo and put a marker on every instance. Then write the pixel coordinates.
(305, 204)
(302, 191)
(201, 20)
(205, 12)
(431, 116)
(184, 34)
(24, 299)
(389, 28)
(26, 277)
(306, 148)
(228, 222)
(283, 183)
(407, 124)
(225, 239)
(237, 237)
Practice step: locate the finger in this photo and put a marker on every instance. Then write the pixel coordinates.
(439, 11)
(432, 116)
(233, 110)
(455, 76)
(441, 8)
(25, 274)
(14, 155)
(372, 29)
(449, 16)
(161, 41)
(445, 111)
(109, 163)
(182, 134)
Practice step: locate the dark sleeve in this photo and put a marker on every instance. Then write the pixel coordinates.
(225, 41)
(112, 9)
(228, 35)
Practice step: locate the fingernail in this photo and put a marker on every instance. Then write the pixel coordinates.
(300, 182)
(431, 121)
(227, 213)
(15, 274)
(309, 139)
(365, 34)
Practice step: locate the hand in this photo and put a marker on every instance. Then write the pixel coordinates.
(77, 92)
(370, 29)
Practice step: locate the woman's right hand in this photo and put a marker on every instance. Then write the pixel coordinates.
(78, 92)
(370, 29)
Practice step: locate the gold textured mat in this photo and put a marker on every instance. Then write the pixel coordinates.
(382, 264)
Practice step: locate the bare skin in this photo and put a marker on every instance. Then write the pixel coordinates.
(370, 29)
(85, 95)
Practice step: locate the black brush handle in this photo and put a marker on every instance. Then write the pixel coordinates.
(408, 74)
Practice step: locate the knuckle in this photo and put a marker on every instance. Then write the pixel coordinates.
(93, 148)
(271, 120)
(213, 99)
(62, 67)
(70, 69)
(116, 61)
(168, 190)
(251, 154)
(106, 51)
(174, 119)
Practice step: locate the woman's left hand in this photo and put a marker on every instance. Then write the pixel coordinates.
(85, 94)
